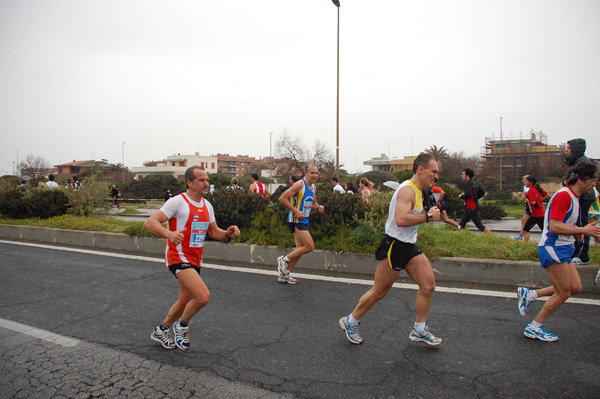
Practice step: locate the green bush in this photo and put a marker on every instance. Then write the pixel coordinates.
(91, 199)
(136, 229)
(490, 210)
(33, 203)
(236, 207)
(152, 186)
(363, 236)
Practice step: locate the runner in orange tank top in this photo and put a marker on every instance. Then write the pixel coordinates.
(189, 218)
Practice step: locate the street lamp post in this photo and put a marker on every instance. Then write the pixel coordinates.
(123, 162)
(337, 115)
(501, 153)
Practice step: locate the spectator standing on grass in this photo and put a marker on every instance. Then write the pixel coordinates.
(365, 189)
(168, 195)
(575, 154)
(189, 218)
(51, 183)
(470, 196)
(234, 184)
(115, 194)
(556, 247)
(258, 187)
(76, 184)
(351, 188)
(336, 185)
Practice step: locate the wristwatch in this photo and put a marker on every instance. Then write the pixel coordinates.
(429, 217)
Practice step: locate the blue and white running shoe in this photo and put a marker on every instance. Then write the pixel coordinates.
(181, 336)
(352, 332)
(524, 300)
(163, 338)
(539, 333)
(424, 336)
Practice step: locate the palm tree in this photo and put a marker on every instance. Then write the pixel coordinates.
(438, 153)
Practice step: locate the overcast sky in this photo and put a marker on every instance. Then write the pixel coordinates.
(80, 77)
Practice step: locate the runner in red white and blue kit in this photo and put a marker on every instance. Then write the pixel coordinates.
(555, 250)
(189, 218)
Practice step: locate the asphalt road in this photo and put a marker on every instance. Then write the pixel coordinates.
(90, 317)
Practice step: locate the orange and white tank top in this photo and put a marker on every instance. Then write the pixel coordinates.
(194, 217)
(404, 234)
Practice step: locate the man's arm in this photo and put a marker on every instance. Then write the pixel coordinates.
(154, 224)
(252, 188)
(315, 204)
(216, 233)
(558, 227)
(405, 202)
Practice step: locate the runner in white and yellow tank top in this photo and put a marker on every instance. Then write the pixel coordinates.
(397, 251)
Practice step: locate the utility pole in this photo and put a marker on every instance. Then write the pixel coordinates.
(500, 150)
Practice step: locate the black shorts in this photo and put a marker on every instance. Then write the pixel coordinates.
(532, 221)
(299, 226)
(182, 266)
(398, 253)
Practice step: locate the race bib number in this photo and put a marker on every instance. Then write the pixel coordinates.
(307, 206)
(198, 234)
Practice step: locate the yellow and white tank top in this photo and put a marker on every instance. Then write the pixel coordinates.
(404, 234)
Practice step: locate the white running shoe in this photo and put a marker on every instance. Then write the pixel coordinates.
(282, 266)
(287, 279)
(424, 336)
(524, 300)
(539, 333)
(597, 279)
(352, 332)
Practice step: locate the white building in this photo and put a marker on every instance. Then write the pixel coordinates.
(176, 165)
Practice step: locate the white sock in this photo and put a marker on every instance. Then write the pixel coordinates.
(533, 294)
(352, 321)
(534, 324)
(419, 327)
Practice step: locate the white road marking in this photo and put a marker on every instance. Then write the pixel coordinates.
(307, 276)
(39, 333)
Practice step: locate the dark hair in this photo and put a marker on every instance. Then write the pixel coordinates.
(423, 160)
(335, 179)
(581, 171)
(351, 187)
(533, 182)
(189, 174)
(254, 175)
(469, 172)
(51, 177)
(234, 180)
(294, 178)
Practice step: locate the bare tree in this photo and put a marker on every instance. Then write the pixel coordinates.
(292, 152)
(34, 167)
(295, 154)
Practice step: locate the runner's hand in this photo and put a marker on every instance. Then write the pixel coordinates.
(176, 237)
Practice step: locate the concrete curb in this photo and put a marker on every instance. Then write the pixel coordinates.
(463, 270)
